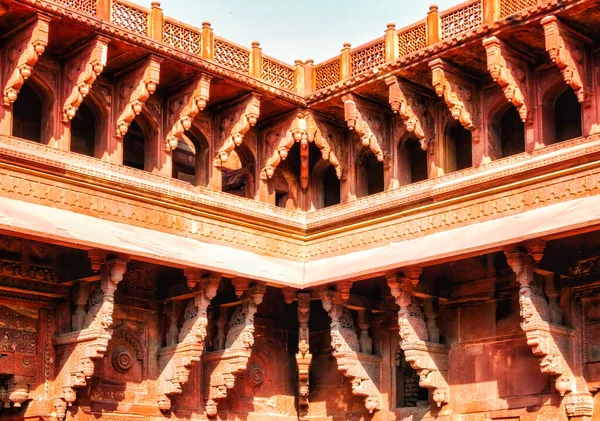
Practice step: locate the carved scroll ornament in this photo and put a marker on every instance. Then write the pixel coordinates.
(83, 69)
(359, 122)
(566, 49)
(236, 124)
(135, 91)
(192, 105)
(509, 72)
(303, 357)
(23, 53)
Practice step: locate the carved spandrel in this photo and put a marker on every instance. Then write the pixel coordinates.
(567, 49)
(365, 124)
(22, 53)
(81, 73)
(511, 73)
(187, 109)
(135, 90)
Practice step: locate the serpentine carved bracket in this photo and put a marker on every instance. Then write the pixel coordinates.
(303, 357)
(236, 123)
(221, 367)
(412, 109)
(550, 342)
(364, 124)
(190, 106)
(22, 53)
(511, 72)
(83, 69)
(176, 360)
(362, 369)
(135, 90)
(566, 49)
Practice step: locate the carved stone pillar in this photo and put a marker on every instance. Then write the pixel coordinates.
(303, 357)
(81, 299)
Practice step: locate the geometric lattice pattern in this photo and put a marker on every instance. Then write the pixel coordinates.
(327, 74)
(412, 39)
(181, 37)
(85, 6)
(367, 58)
(129, 17)
(468, 17)
(231, 56)
(277, 74)
(510, 7)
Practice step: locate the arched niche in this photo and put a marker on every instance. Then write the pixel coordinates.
(29, 112)
(139, 143)
(561, 113)
(191, 158)
(457, 147)
(506, 133)
(369, 174)
(238, 172)
(412, 160)
(88, 128)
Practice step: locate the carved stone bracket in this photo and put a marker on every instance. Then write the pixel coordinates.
(15, 389)
(428, 359)
(362, 369)
(236, 124)
(550, 342)
(357, 121)
(222, 366)
(77, 351)
(23, 52)
(135, 90)
(83, 69)
(303, 357)
(567, 50)
(459, 95)
(191, 105)
(510, 72)
(412, 109)
(177, 360)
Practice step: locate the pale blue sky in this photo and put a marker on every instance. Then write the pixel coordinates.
(291, 29)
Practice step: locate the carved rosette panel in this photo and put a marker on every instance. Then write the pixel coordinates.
(360, 368)
(412, 109)
(77, 351)
(509, 72)
(235, 124)
(189, 108)
(364, 124)
(566, 49)
(303, 357)
(22, 53)
(177, 360)
(459, 95)
(83, 69)
(221, 367)
(135, 90)
(551, 343)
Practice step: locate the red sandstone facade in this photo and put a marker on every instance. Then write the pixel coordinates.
(190, 229)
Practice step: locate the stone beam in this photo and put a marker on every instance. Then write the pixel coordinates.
(76, 351)
(550, 342)
(136, 88)
(512, 72)
(361, 368)
(235, 124)
(360, 121)
(222, 366)
(412, 109)
(303, 357)
(567, 49)
(459, 94)
(185, 110)
(176, 360)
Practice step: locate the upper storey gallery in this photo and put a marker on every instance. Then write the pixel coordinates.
(126, 85)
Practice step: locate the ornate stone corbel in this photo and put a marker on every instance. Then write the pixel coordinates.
(222, 366)
(427, 358)
(82, 71)
(412, 110)
(236, 124)
(510, 72)
(190, 106)
(459, 95)
(566, 49)
(176, 360)
(135, 90)
(550, 342)
(362, 369)
(22, 53)
(358, 122)
(77, 350)
(303, 357)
